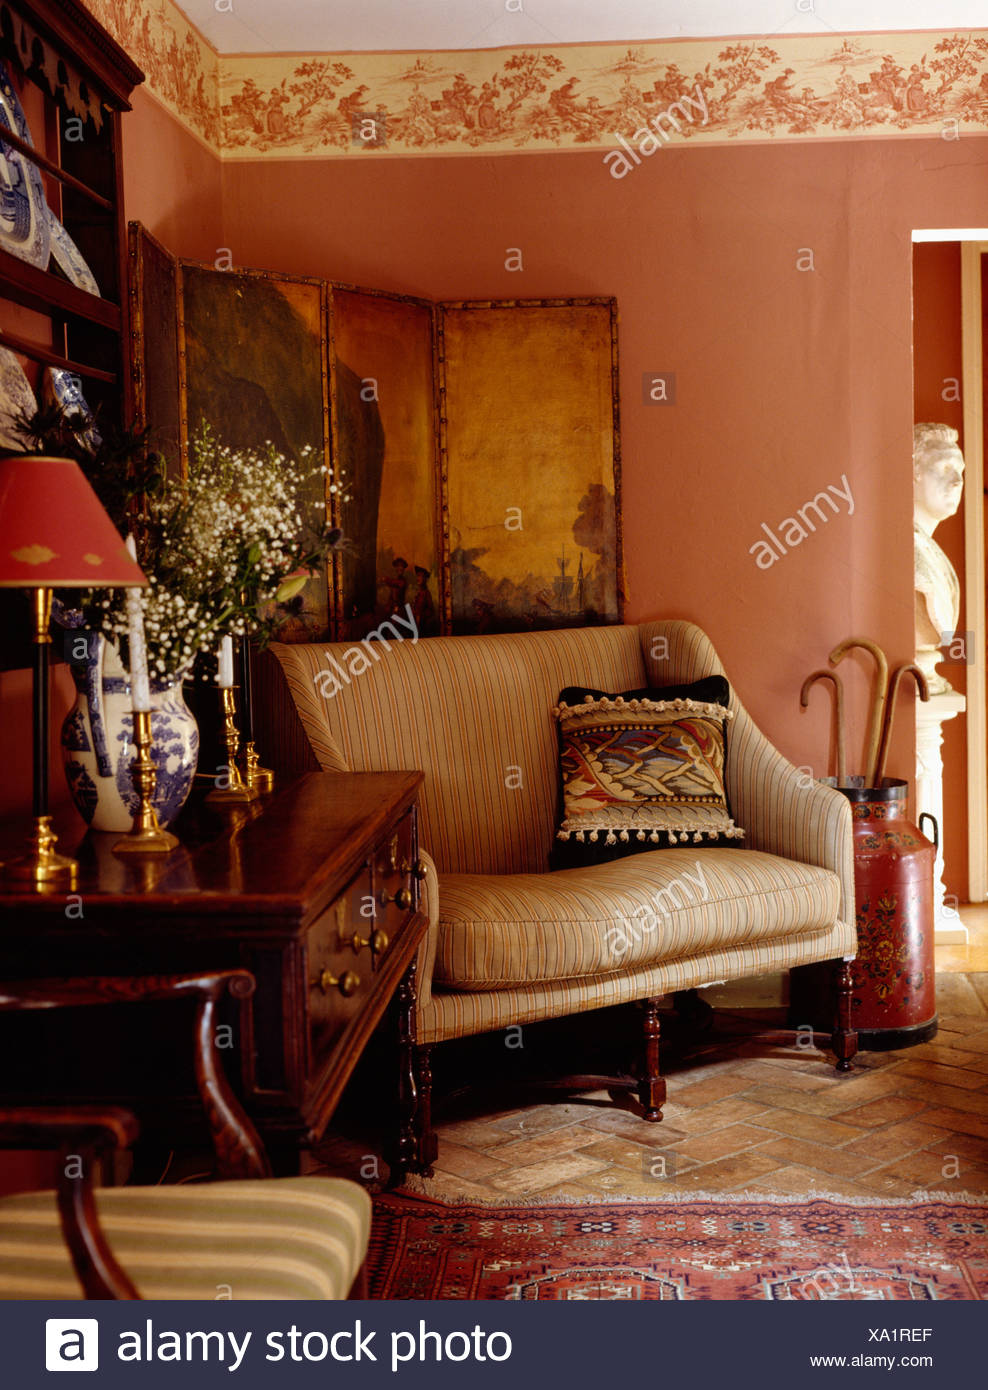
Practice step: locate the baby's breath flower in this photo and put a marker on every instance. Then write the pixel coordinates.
(217, 547)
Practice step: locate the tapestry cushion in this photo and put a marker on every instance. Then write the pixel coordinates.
(272, 1238)
(642, 768)
(498, 930)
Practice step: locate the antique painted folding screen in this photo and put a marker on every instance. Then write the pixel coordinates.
(478, 440)
(154, 338)
(384, 438)
(530, 463)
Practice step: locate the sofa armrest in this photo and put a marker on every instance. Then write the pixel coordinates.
(781, 809)
(784, 811)
(425, 960)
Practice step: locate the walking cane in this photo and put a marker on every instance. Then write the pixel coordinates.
(804, 700)
(910, 668)
(878, 699)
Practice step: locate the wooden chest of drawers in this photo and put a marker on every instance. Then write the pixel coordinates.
(314, 889)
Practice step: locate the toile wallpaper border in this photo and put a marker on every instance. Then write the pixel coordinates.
(626, 101)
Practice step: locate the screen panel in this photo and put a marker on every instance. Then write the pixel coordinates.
(531, 464)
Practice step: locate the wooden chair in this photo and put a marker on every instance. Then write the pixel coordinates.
(247, 1236)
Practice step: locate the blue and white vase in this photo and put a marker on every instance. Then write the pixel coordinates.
(97, 741)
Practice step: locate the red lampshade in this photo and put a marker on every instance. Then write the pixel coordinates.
(54, 532)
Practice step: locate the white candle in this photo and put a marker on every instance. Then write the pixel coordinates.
(140, 688)
(224, 677)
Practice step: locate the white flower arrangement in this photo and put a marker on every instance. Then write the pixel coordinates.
(222, 547)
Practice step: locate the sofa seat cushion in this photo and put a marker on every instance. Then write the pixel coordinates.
(499, 930)
(273, 1238)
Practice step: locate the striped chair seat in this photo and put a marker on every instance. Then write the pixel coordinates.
(277, 1238)
(503, 930)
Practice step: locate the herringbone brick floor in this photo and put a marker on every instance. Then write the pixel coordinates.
(749, 1109)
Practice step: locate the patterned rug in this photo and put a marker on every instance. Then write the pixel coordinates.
(740, 1247)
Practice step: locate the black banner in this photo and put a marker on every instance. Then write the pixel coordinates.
(573, 1344)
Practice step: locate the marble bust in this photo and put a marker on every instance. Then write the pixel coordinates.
(938, 480)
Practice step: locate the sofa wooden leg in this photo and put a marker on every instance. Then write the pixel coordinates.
(652, 1087)
(844, 1039)
(426, 1142)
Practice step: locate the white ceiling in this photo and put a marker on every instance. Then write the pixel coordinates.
(341, 26)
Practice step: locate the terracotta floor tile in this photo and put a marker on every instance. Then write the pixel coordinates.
(643, 1159)
(936, 1171)
(520, 1152)
(972, 1146)
(797, 1179)
(941, 1073)
(710, 1117)
(721, 1143)
(973, 1102)
(970, 1027)
(868, 1085)
(466, 1163)
(446, 1187)
(771, 1075)
(477, 1134)
(536, 1177)
(813, 1127)
(619, 1182)
(540, 1119)
(959, 996)
(840, 1162)
(825, 1103)
(886, 1110)
(895, 1140)
(705, 1092)
(570, 1192)
(957, 1120)
(728, 1174)
(884, 1184)
(947, 1055)
(634, 1128)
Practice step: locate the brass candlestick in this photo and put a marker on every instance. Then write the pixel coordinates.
(236, 789)
(146, 835)
(261, 778)
(42, 866)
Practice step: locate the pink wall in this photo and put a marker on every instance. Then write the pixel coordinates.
(172, 182)
(786, 379)
(936, 367)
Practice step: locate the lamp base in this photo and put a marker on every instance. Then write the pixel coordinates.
(42, 867)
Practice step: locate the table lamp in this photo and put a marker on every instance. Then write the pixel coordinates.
(54, 534)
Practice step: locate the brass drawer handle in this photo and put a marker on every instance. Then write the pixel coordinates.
(402, 898)
(377, 941)
(348, 983)
(420, 869)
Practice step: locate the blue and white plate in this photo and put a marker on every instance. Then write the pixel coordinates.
(24, 226)
(16, 401)
(65, 389)
(67, 254)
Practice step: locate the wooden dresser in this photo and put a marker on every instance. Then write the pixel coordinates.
(314, 888)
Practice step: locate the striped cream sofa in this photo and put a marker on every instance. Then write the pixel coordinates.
(511, 943)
